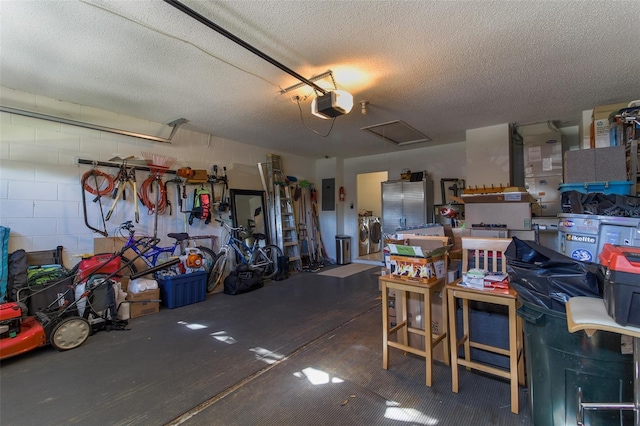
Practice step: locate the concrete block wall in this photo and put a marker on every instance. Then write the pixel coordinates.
(40, 191)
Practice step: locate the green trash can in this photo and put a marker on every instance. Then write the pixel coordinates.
(559, 362)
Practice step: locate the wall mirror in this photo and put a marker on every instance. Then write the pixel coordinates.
(248, 210)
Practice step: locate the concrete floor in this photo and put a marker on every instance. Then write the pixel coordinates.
(306, 350)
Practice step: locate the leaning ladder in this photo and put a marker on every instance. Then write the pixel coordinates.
(289, 233)
(282, 223)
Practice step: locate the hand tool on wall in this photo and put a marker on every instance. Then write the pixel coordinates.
(86, 187)
(224, 200)
(126, 176)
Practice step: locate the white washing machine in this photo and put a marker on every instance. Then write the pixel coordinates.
(375, 235)
(363, 238)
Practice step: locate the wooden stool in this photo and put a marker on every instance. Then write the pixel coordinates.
(402, 288)
(484, 249)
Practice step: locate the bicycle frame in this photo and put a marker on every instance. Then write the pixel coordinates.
(244, 252)
(150, 257)
(239, 247)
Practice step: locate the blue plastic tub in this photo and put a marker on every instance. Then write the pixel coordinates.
(182, 290)
(622, 187)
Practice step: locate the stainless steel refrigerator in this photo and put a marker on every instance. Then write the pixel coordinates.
(406, 204)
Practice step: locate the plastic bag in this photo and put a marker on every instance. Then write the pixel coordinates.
(549, 279)
(242, 280)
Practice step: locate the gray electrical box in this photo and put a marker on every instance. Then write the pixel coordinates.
(328, 194)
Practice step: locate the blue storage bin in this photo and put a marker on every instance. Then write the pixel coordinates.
(622, 187)
(182, 290)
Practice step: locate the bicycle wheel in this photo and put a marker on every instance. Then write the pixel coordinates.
(265, 259)
(129, 270)
(209, 258)
(216, 273)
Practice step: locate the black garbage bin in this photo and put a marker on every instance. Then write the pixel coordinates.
(559, 362)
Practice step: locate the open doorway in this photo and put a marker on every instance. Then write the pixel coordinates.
(369, 203)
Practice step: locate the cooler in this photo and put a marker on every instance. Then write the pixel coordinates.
(622, 283)
(583, 236)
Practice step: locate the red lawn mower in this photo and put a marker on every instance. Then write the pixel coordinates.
(20, 333)
(62, 319)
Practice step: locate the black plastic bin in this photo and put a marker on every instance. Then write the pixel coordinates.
(558, 362)
(50, 296)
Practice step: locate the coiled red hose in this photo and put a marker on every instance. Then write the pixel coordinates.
(98, 191)
(148, 198)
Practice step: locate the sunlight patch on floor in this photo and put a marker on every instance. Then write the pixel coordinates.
(266, 355)
(317, 377)
(222, 336)
(410, 415)
(192, 326)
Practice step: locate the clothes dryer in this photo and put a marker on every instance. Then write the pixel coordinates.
(363, 238)
(375, 235)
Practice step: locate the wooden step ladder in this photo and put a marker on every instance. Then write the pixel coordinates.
(288, 229)
(282, 222)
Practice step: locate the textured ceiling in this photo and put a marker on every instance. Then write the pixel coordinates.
(442, 67)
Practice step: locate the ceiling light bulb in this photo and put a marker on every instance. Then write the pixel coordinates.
(344, 100)
(363, 107)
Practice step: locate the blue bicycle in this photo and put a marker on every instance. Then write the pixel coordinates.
(146, 248)
(263, 259)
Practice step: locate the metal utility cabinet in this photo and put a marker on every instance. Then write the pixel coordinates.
(406, 204)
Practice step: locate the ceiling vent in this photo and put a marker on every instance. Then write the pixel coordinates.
(397, 132)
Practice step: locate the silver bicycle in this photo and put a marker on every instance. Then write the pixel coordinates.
(263, 259)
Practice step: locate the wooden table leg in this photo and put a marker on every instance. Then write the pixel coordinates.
(446, 348)
(466, 334)
(385, 325)
(453, 339)
(428, 340)
(513, 356)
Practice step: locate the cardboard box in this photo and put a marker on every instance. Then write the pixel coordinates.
(428, 243)
(600, 126)
(458, 233)
(415, 318)
(611, 164)
(580, 165)
(514, 214)
(114, 244)
(143, 303)
(411, 263)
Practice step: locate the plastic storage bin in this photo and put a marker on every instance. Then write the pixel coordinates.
(558, 362)
(622, 187)
(49, 296)
(182, 290)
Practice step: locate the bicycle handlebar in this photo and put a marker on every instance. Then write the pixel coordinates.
(128, 225)
(230, 228)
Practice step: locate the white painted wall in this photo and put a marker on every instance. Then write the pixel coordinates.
(488, 156)
(40, 194)
(370, 192)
